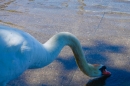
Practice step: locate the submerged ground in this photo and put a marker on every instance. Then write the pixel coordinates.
(103, 28)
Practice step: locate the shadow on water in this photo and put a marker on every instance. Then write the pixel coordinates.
(101, 81)
(72, 65)
(118, 78)
(98, 53)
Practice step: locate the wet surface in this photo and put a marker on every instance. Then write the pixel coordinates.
(102, 26)
(101, 81)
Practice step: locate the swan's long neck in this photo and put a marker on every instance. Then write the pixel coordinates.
(57, 42)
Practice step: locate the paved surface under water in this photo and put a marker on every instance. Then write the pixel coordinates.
(102, 26)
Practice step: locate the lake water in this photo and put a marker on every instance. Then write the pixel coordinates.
(94, 22)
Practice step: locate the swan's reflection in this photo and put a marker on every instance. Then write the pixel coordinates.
(97, 81)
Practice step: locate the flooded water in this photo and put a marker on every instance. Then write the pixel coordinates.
(102, 26)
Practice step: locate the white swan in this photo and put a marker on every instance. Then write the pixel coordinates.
(20, 51)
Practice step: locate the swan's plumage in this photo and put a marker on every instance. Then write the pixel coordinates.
(20, 51)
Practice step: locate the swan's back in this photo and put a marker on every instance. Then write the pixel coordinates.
(14, 48)
(13, 41)
(10, 38)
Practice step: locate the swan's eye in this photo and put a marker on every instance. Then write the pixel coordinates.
(102, 68)
(104, 71)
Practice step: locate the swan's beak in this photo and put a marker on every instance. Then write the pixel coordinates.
(104, 71)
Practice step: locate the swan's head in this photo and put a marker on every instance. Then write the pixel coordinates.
(97, 70)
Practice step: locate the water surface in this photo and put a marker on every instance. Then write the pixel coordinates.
(102, 26)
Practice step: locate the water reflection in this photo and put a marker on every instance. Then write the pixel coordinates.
(101, 81)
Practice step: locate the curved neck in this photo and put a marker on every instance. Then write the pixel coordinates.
(58, 41)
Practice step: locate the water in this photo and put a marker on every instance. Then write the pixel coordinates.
(98, 81)
(94, 22)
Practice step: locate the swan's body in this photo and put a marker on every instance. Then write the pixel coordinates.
(19, 51)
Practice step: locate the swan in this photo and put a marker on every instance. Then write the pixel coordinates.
(20, 51)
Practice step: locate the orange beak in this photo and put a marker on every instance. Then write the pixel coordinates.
(106, 73)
